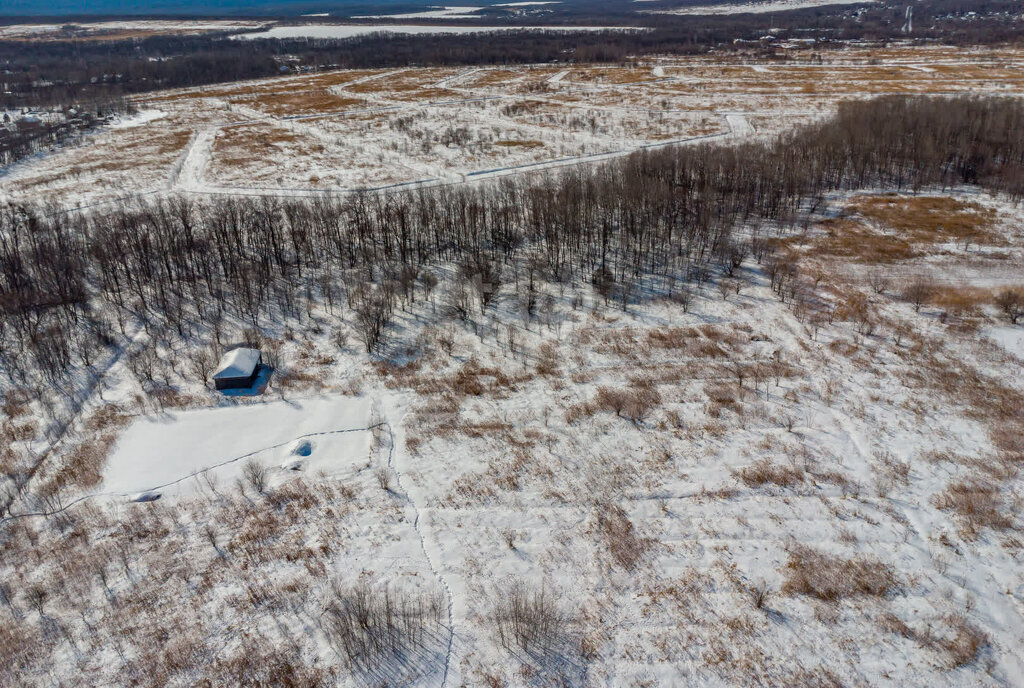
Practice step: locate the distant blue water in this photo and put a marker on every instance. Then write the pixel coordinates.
(53, 8)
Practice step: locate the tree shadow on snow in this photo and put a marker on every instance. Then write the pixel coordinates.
(554, 662)
(406, 664)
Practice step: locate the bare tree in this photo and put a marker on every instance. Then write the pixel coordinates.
(255, 474)
(879, 280)
(1011, 303)
(202, 363)
(917, 292)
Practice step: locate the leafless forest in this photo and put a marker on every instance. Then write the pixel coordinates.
(656, 222)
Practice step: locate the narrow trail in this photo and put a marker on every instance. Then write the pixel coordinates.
(418, 527)
(89, 393)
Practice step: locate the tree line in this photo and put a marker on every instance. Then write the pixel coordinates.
(198, 271)
(49, 73)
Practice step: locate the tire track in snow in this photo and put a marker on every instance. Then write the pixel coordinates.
(557, 78)
(190, 173)
(738, 124)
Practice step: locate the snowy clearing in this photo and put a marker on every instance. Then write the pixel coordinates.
(164, 452)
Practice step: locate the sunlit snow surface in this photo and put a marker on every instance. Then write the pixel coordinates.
(163, 452)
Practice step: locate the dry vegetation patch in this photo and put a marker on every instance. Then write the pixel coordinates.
(765, 472)
(245, 146)
(929, 219)
(891, 228)
(620, 537)
(304, 102)
(977, 504)
(952, 637)
(831, 578)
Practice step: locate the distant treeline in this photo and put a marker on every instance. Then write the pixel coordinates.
(47, 73)
(195, 270)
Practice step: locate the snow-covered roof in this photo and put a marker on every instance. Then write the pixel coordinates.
(237, 363)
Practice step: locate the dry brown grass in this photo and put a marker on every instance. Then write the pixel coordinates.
(977, 505)
(424, 95)
(611, 75)
(634, 404)
(831, 578)
(953, 638)
(107, 417)
(929, 219)
(961, 301)
(305, 102)
(83, 466)
(241, 146)
(547, 364)
(846, 238)
(520, 144)
(765, 472)
(298, 380)
(886, 229)
(469, 380)
(619, 536)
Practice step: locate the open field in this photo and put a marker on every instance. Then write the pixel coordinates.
(715, 491)
(356, 129)
(750, 414)
(118, 30)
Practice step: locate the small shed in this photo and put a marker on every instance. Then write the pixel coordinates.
(238, 369)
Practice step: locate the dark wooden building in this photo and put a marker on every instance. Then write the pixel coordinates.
(238, 369)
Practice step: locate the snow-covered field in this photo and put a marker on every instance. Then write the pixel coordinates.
(345, 130)
(36, 31)
(739, 484)
(688, 543)
(758, 7)
(457, 12)
(350, 30)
